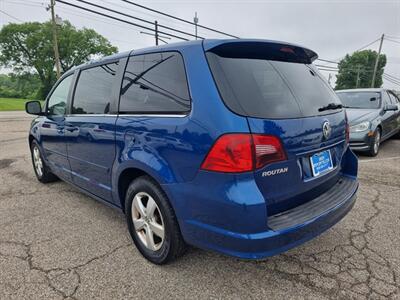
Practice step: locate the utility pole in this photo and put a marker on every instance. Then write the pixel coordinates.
(55, 40)
(195, 20)
(377, 61)
(358, 76)
(329, 78)
(156, 32)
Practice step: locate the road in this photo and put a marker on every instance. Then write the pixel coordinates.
(56, 243)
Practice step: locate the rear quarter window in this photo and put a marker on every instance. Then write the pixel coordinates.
(155, 83)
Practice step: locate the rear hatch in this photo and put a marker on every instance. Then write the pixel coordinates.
(282, 94)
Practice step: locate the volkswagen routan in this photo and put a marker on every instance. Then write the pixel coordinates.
(237, 146)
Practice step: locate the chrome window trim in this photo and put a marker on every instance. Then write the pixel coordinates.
(154, 115)
(129, 115)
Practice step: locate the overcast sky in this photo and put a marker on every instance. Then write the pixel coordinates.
(331, 28)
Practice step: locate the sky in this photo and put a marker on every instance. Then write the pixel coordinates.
(330, 28)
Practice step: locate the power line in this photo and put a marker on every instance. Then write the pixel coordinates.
(329, 70)
(180, 19)
(167, 20)
(373, 42)
(7, 14)
(325, 66)
(392, 40)
(393, 37)
(68, 12)
(334, 62)
(328, 61)
(27, 4)
(392, 76)
(121, 20)
(392, 81)
(136, 18)
(387, 77)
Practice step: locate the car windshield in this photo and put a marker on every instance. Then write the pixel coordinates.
(369, 100)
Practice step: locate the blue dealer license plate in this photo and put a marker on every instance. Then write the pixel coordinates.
(321, 162)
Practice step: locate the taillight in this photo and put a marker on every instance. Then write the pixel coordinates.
(240, 152)
(268, 149)
(347, 128)
(230, 153)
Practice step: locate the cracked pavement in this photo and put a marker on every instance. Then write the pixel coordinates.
(56, 243)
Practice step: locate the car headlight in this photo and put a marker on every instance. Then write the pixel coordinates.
(360, 127)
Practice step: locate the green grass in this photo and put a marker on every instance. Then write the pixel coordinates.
(9, 104)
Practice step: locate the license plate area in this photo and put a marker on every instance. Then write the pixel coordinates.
(321, 163)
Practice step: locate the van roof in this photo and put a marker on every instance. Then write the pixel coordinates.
(208, 44)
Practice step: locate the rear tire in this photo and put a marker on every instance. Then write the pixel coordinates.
(42, 171)
(375, 143)
(152, 222)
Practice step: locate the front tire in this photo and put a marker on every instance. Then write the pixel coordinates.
(152, 222)
(375, 143)
(42, 171)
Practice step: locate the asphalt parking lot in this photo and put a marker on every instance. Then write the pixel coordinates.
(58, 243)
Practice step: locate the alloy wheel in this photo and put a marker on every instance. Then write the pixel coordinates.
(377, 141)
(37, 161)
(148, 221)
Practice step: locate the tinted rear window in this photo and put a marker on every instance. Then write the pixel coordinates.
(93, 91)
(155, 83)
(264, 88)
(360, 99)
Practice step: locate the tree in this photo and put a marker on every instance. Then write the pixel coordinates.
(28, 47)
(25, 85)
(355, 71)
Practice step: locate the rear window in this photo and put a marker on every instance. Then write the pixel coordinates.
(263, 88)
(360, 99)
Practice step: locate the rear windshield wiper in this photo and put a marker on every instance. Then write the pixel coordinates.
(330, 106)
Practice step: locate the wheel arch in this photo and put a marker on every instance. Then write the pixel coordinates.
(125, 178)
(31, 138)
(379, 126)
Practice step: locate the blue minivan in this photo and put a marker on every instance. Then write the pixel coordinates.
(238, 146)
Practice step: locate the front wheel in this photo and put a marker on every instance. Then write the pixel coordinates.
(42, 171)
(375, 143)
(152, 222)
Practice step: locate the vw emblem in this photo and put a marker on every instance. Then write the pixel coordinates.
(326, 129)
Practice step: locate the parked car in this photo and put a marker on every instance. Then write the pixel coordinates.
(237, 146)
(374, 116)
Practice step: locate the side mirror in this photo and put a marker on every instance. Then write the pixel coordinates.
(392, 107)
(33, 108)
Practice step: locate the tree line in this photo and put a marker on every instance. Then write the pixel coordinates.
(27, 51)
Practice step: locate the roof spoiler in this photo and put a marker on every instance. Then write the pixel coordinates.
(269, 50)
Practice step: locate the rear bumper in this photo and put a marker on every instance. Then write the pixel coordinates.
(286, 230)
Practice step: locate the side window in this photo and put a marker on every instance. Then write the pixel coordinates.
(93, 90)
(57, 103)
(155, 83)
